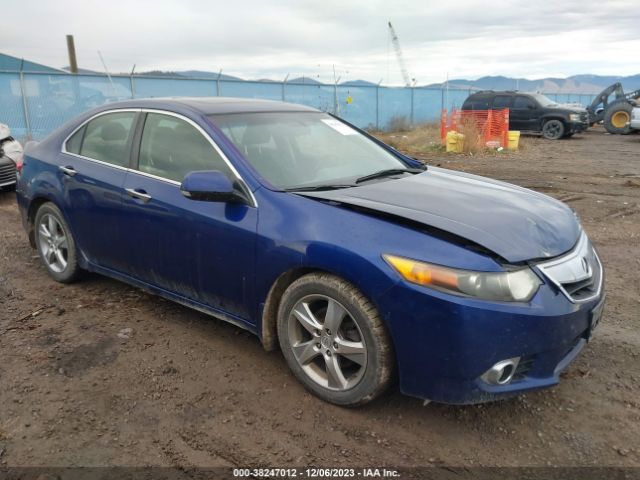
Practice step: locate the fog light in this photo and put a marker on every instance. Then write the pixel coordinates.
(502, 372)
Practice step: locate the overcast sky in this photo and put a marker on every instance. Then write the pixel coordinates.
(272, 38)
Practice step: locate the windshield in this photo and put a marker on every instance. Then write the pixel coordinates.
(303, 149)
(543, 100)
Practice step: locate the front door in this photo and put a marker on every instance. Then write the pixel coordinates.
(523, 114)
(203, 251)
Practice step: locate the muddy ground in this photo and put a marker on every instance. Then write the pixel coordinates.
(183, 389)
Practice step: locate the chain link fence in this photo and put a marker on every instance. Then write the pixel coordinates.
(34, 104)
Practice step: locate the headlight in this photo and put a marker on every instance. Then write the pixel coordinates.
(574, 117)
(515, 286)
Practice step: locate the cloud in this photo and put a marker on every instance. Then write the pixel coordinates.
(257, 39)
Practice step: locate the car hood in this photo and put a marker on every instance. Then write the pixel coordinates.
(569, 107)
(513, 222)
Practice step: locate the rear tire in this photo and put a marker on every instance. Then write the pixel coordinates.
(553, 129)
(617, 118)
(334, 340)
(55, 244)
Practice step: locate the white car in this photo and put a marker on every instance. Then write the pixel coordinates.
(10, 156)
(635, 118)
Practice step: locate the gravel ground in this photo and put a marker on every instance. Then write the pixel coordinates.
(99, 373)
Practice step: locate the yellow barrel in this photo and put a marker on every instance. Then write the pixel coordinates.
(455, 142)
(514, 139)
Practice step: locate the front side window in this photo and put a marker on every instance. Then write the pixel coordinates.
(303, 149)
(544, 100)
(171, 148)
(502, 101)
(523, 103)
(107, 138)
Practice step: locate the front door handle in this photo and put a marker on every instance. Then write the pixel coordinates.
(68, 170)
(138, 193)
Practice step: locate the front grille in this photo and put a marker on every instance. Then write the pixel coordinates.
(578, 274)
(584, 117)
(7, 174)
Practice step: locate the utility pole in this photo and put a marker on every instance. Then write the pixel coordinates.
(71, 48)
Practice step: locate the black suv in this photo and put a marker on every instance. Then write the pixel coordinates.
(532, 113)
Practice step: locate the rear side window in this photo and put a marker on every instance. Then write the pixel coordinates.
(171, 148)
(523, 103)
(107, 138)
(502, 101)
(75, 142)
(477, 104)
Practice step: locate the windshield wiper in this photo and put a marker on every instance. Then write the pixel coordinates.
(388, 172)
(317, 188)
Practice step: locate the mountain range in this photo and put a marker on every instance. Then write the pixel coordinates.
(585, 83)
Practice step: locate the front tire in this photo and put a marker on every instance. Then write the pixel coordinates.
(553, 129)
(617, 118)
(55, 244)
(334, 340)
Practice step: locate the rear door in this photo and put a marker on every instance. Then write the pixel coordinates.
(93, 167)
(523, 114)
(203, 251)
(500, 102)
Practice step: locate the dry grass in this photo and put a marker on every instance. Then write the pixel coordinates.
(473, 143)
(399, 123)
(423, 138)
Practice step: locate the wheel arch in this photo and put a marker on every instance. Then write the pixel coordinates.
(34, 206)
(546, 118)
(269, 316)
(269, 320)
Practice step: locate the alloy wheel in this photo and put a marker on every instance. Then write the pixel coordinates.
(327, 343)
(53, 243)
(553, 129)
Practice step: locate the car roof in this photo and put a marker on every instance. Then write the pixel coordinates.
(213, 105)
(491, 93)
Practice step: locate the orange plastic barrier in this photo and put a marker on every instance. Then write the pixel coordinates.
(491, 125)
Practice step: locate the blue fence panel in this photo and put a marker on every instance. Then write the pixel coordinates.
(11, 106)
(357, 105)
(172, 87)
(427, 104)
(51, 98)
(455, 98)
(394, 103)
(54, 99)
(317, 96)
(266, 90)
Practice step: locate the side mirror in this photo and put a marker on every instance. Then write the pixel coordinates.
(532, 106)
(212, 186)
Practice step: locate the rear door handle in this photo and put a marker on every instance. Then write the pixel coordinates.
(138, 193)
(70, 171)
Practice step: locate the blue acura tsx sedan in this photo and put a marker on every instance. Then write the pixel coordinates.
(361, 264)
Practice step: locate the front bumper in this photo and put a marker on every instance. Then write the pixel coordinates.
(7, 172)
(577, 127)
(445, 343)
